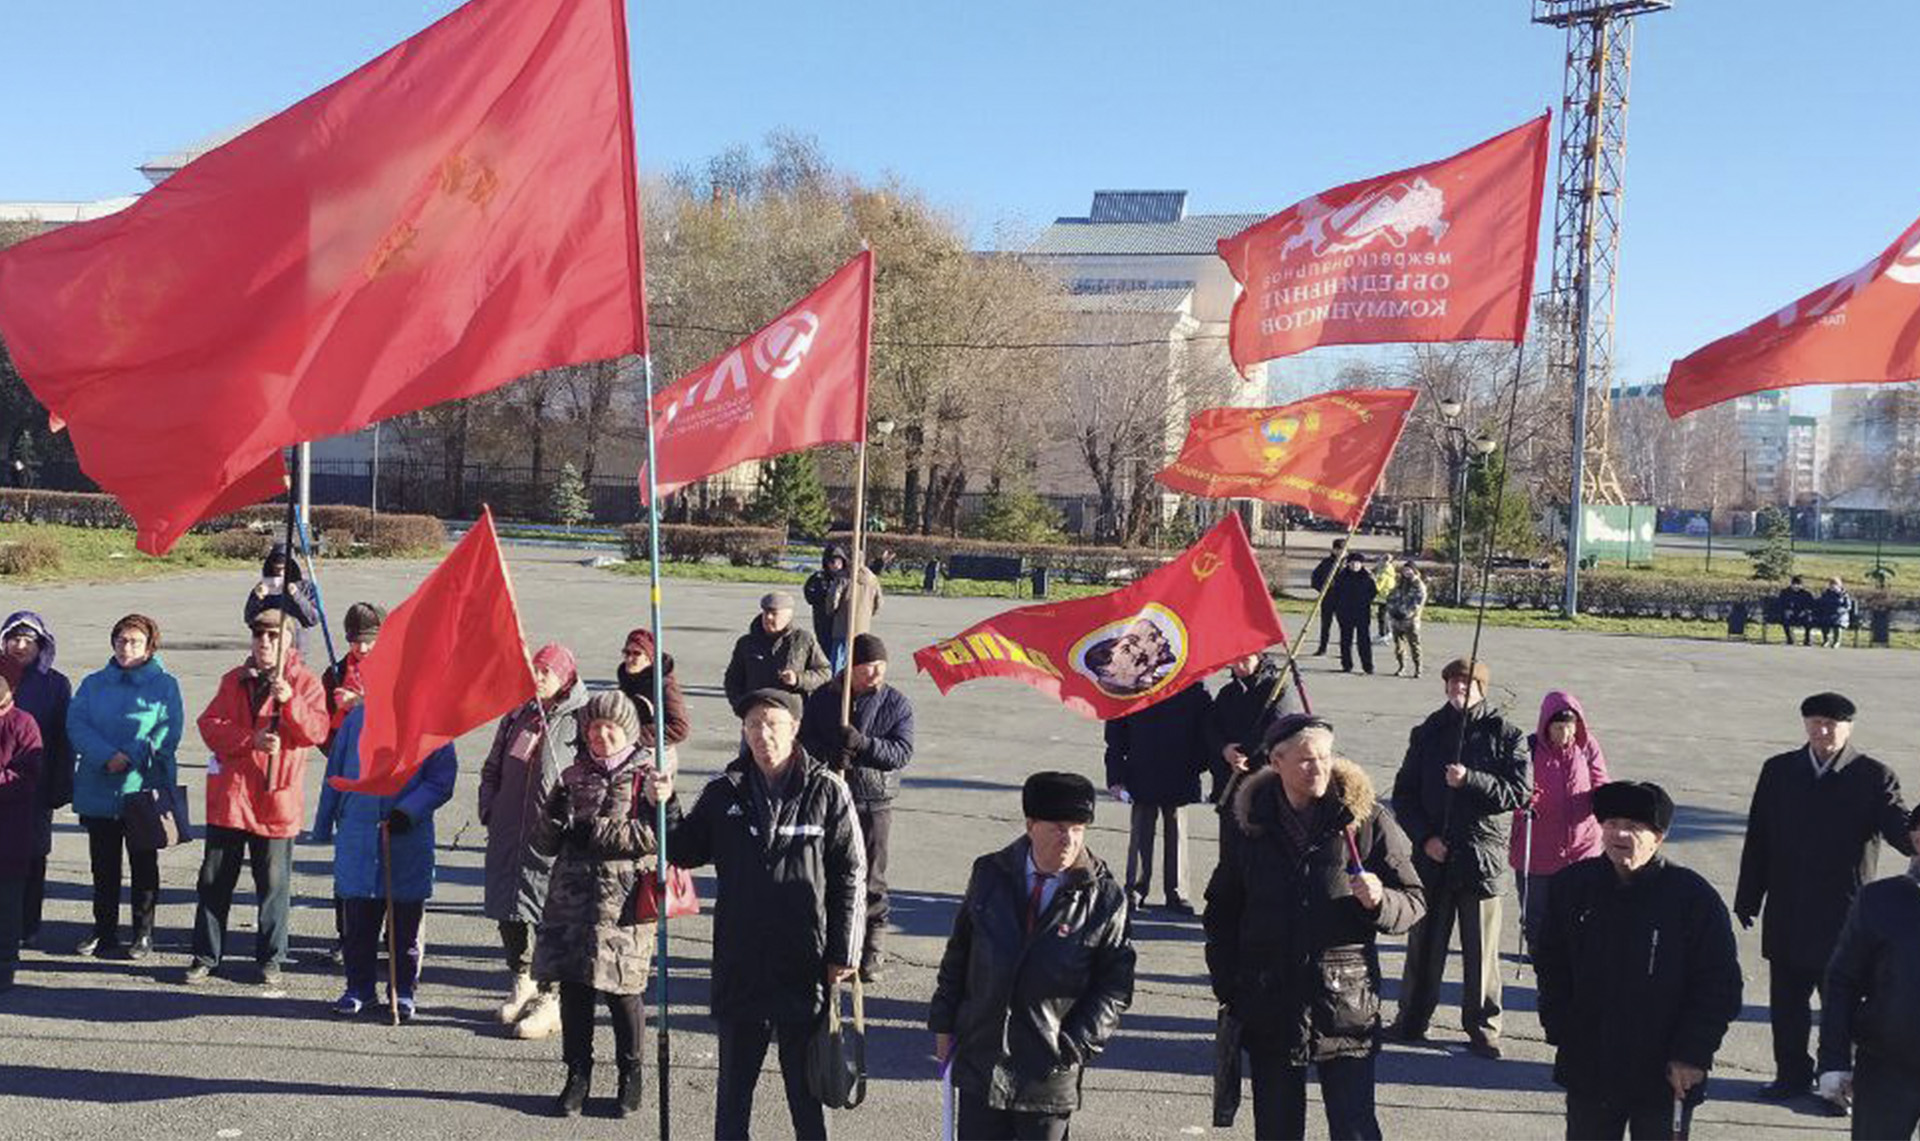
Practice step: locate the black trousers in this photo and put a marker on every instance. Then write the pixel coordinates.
(34, 898)
(1326, 626)
(979, 1121)
(629, 1014)
(876, 826)
(1886, 1100)
(1280, 1096)
(743, 1049)
(12, 896)
(1350, 633)
(272, 862)
(1790, 992)
(1592, 1117)
(106, 841)
(362, 944)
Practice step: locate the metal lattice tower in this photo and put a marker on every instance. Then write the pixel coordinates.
(1589, 181)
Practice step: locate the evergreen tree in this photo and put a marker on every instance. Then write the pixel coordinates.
(1016, 517)
(792, 496)
(1773, 558)
(567, 502)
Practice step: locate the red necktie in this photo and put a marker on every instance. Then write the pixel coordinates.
(1033, 898)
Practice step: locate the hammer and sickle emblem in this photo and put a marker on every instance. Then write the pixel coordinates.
(1205, 564)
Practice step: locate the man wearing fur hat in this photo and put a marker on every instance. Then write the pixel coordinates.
(1318, 871)
(1639, 976)
(1037, 971)
(1814, 829)
(1466, 771)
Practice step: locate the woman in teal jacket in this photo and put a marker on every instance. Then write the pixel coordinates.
(124, 725)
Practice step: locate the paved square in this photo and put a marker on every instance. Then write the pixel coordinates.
(99, 1046)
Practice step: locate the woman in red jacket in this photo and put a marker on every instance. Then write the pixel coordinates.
(1567, 766)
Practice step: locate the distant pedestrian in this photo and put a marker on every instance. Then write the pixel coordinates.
(1813, 838)
(283, 586)
(1036, 973)
(1797, 608)
(1453, 794)
(1835, 611)
(638, 660)
(1558, 828)
(26, 662)
(1323, 572)
(1638, 976)
(1154, 761)
(1385, 578)
(529, 749)
(775, 654)
(262, 724)
(125, 724)
(1870, 1006)
(1352, 600)
(21, 758)
(829, 591)
(365, 830)
(1406, 606)
(1237, 720)
(1320, 870)
(597, 825)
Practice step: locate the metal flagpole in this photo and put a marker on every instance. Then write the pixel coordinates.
(662, 1031)
(856, 605)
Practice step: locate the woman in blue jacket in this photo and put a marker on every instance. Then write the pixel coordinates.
(352, 823)
(124, 726)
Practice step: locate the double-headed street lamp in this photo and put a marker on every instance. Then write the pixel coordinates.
(1463, 452)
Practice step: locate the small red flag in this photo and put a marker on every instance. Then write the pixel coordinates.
(1324, 453)
(799, 382)
(1441, 252)
(457, 213)
(449, 658)
(1861, 329)
(1118, 653)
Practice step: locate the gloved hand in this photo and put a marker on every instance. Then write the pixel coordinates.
(852, 740)
(580, 834)
(398, 823)
(559, 805)
(1746, 921)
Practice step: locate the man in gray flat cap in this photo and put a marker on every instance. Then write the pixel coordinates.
(776, 654)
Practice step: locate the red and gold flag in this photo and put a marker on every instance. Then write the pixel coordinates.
(457, 213)
(1324, 453)
(1118, 653)
(1440, 252)
(1861, 329)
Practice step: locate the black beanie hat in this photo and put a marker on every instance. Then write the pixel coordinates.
(868, 648)
(1833, 706)
(1291, 725)
(1058, 796)
(1634, 800)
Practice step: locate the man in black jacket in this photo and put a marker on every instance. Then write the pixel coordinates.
(1239, 717)
(1796, 605)
(870, 754)
(776, 826)
(1318, 871)
(1466, 771)
(1352, 600)
(775, 654)
(1871, 1000)
(1638, 973)
(1154, 761)
(1324, 570)
(1813, 837)
(1036, 973)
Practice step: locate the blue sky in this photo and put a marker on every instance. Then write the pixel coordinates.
(1772, 144)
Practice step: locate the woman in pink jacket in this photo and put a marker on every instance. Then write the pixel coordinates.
(1567, 766)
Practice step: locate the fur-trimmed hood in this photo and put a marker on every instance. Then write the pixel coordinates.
(1351, 787)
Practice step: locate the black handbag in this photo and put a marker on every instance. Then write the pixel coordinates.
(156, 818)
(837, 1053)
(1226, 1069)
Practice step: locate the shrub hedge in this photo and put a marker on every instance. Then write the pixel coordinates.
(687, 542)
(1641, 595)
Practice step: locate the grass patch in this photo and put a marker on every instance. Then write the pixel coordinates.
(1733, 566)
(88, 554)
(899, 582)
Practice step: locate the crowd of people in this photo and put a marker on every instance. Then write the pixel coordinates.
(1634, 955)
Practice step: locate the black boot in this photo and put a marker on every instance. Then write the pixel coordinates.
(573, 1095)
(627, 1103)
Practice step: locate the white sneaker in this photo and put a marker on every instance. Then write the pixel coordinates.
(540, 1019)
(517, 999)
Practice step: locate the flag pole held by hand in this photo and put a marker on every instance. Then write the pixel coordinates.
(393, 942)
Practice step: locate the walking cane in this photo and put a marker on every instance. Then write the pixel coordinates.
(1679, 1116)
(1526, 890)
(949, 1128)
(393, 943)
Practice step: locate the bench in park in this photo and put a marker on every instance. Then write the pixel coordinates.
(987, 568)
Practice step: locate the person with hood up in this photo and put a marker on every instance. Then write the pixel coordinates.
(597, 825)
(829, 591)
(635, 676)
(1296, 905)
(20, 761)
(521, 767)
(1037, 972)
(363, 878)
(1567, 766)
(282, 585)
(775, 654)
(268, 713)
(26, 663)
(125, 724)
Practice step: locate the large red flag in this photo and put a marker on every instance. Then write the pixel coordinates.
(1324, 453)
(1441, 252)
(1118, 653)
(457, 213)
(799, 382)
(1861, 329)
(449, 658)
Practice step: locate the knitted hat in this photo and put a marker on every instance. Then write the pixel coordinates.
(1459, 667)
(868, 648)
(1058, 796)
(783, 699)
(1833, 706)
(363, 621)
(556, 659)
(613, 706)
(1643, 801)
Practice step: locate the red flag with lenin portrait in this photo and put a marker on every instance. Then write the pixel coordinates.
(1862, 329)
(1440, 252)
(459, 212)
(797, 383)
(449, 659)
(1324, 453)
(1115, 654)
